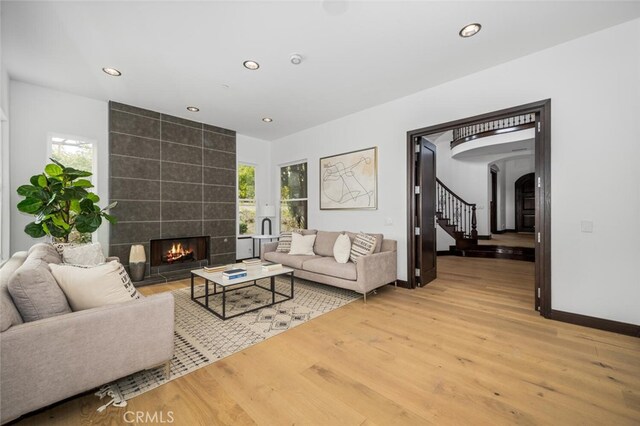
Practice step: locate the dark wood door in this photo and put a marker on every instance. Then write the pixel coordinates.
(526, 203)
(494, 202)
(427, 245)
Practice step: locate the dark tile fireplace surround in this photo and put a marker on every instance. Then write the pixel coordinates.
(173, 179)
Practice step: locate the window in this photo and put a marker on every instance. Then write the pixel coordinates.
(246, 199)
(293, 197)
(79, 153)
(76, 153)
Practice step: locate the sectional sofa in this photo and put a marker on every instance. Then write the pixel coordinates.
(64, 354)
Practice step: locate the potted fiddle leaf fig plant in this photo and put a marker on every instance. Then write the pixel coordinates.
(62, 204)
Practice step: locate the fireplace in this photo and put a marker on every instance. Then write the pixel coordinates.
(179, 252)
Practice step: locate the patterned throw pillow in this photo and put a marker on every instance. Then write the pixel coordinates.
(363, 245)
(88, 287)
(284, 243)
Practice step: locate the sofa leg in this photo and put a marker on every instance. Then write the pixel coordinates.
(167, 370)
(372, 292)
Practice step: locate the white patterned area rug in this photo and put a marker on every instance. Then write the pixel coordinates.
(201, 338)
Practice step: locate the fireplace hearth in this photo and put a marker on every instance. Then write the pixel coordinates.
(179, 253)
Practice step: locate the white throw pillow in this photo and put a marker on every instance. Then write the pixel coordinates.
(302, 244)
(83, 254)
(342, 248)
(90, 287)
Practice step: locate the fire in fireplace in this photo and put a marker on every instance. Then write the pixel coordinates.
(177, 253)
(172, 251)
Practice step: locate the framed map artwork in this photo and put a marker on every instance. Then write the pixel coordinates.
(349, 180)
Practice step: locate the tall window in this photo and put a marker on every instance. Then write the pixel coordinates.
(246, 199)
(80, 154)
(76, 153)
(293, 196)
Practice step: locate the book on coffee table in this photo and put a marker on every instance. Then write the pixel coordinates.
(219, 268)
(234, 273)
(270, 266)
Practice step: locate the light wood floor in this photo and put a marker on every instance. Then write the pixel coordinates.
(467, 349)
(509, 239)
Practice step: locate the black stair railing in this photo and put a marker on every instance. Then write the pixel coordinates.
(458, 212)
(489, 128)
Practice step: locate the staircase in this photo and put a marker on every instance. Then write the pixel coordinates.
(458, 218)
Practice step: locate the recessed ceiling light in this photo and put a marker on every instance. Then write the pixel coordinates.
(470, 30)
(267, 119)
(251, 65)
(112, 71)
(193, 109)
(296, 59)
(224, 86)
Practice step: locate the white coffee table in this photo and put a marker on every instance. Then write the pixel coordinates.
(253, 275)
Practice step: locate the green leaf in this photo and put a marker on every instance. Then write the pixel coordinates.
(58, 163)
(93, 197)
(56, 231)
(83, 183)
(53, 170)
(112, 219)
(29, 205)
(55, 186)
(59, 222)
(75, 173)
(42, 181)
(88, 222)
(72, 193)
(86, 205)
(75, 206)
(26, 190)
(34, 230)
(34, 180)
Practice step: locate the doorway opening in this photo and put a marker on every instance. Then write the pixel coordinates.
(525, 203)
(466, 221)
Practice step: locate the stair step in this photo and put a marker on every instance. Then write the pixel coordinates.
(496, 252)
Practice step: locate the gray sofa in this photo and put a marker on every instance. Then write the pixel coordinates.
(371, 271)
(50, 359)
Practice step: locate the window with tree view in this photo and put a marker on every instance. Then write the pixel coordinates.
(74, 153)
(246, 199)
(293, 197)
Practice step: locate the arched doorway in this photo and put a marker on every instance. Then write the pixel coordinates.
(526, 203)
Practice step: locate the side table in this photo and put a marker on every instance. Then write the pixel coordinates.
(259, 239)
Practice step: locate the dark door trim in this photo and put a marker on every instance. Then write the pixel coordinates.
(542, 109)
(494, 202)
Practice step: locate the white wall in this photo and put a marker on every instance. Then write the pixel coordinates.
(256, 152)
(35, 112)
(5, 211)
(5, 178)
(514, 169)
(595, 91)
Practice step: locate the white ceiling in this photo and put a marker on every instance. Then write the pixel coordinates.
(356, 54)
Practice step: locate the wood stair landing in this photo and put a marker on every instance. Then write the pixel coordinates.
(527, 254)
